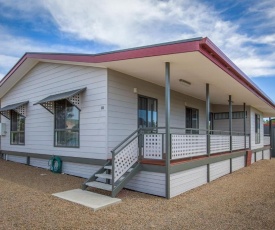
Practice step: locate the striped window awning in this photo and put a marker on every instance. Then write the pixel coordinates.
(73, 97)
(19, 108)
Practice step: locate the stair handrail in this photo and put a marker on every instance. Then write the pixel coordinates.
(124, 143)
(114, 153)
(126, 139)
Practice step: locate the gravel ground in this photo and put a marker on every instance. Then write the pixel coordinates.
(242, 200)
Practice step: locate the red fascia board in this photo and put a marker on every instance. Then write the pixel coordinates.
(157, 50)
(123, 55)
(213, 53)
(15, 67)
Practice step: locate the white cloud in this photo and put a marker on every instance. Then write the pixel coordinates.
(13, 47)
(125, 23)
(141, 22)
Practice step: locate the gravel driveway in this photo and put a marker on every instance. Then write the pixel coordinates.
(242, 200)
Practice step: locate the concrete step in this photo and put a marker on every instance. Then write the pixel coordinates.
(108, 167)
(100, 185)
(103, 175)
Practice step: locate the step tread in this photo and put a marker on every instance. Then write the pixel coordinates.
(100, 185)
(108, 167)
(103, 175)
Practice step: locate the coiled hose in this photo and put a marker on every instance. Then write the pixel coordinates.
(55, 164)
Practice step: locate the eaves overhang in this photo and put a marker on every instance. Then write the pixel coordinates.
(202, 45)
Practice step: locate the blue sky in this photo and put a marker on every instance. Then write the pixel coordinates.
(243, 30)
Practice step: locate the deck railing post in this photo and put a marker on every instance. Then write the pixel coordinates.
(167, 127)
(270, 125)
(244, 124)
(230, 121)
(207, 120)
(207, 129)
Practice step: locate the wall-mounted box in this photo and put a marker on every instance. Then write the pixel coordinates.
(3, 129)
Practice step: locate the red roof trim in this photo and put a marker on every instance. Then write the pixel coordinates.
(213, 53)
(14, 68)
(123, 55)
(205, 46)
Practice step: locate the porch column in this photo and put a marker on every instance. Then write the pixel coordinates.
(244, 124)
(167, 127)
(270, 129)
(207, 120)
(207, 129)
(230, 121)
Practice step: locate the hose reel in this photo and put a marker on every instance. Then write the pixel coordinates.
(55, 164)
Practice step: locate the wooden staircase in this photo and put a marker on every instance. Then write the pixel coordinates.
(102, 179)
(119, 170)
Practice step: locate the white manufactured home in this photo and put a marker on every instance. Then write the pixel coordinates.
(160, 119)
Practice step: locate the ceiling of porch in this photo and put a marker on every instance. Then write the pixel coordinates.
(196, 69)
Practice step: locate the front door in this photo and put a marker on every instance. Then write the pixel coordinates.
(147, 112)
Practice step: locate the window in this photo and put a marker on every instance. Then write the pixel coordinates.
(192, 120)
(17, 131)
(225, 115)
(257, 129)
(66, 133)
(147, 112)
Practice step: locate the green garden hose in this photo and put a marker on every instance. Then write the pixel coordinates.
(55, 164)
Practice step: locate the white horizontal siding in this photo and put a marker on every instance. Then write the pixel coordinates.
(259, 155)
(181, 182)
(40, 163)
(18, 159)
(219, 169)
(267, 154)
(78, 169)
(46, 79)
(238, 163)
(148, 182)
(253, 158)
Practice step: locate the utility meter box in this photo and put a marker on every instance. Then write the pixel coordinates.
(3, 129)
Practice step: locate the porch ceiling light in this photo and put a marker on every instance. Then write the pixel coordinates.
(184, 82)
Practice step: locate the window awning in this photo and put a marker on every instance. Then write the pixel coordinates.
(18, 107)
(72, 96)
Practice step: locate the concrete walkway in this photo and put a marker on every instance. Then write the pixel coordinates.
(88, 199)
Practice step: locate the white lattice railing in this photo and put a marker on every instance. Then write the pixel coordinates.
(187, 145)
(125, 158)
(153, 146)
(219, 143)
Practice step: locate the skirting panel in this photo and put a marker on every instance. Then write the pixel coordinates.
(181, 182)
(253, 158)
(77, 169)
(18, 159)
(259, 155)
(238, 163)
(40, 163)
(148, 182)
(267, 154)
(219, 169)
